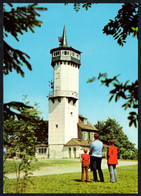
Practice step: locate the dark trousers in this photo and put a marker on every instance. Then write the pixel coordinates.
(96, 165)
(85, 170)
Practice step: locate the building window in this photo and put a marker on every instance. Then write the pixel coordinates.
(71, 113)
(56, 126)
(85, 121)
(85, 135)
(42, 150)
(92, 136)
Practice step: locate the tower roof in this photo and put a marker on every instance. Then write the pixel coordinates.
(63, 39)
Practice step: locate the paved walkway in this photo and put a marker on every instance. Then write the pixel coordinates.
(71, 169)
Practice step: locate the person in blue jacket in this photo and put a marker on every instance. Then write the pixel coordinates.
(96, 157)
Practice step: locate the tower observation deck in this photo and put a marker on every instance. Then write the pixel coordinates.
(66, 63)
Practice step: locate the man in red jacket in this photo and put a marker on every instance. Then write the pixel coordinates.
(112, 161)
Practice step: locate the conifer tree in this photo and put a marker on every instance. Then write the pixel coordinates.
(17, 21)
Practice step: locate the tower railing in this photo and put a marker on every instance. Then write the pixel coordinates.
(63, 93)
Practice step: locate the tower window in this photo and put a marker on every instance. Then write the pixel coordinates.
(56, 126)
(57, 75)
(71, 113)
(66, 52)
(57, 53)
(57, 88)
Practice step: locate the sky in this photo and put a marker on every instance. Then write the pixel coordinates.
(100, 54)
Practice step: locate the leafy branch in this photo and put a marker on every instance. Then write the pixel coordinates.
(77, 6)
(125, 23)
(126, 91)
(17, 21)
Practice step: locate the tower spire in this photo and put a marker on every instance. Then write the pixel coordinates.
(63, 39)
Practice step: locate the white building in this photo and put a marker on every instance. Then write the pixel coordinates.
(63, 100)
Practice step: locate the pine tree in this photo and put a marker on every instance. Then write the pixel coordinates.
(17, 21)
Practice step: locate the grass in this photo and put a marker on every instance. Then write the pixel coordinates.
(71, 183)
(9, 166)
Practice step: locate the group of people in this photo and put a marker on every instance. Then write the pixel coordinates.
(94, 158)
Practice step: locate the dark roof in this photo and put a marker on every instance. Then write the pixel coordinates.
(88, 126)
(65, 48)
(80, 142)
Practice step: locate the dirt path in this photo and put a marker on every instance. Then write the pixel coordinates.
(71, 169)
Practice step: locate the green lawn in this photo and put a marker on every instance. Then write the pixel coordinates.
(71, 183)
(9, 165)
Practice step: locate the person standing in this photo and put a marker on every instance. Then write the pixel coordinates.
(96, 157)
(112, 161)
(85, 160)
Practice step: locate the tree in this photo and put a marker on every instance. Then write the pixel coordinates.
(27, 115)
(17, 21)
(21, 136)
(128, 92)
(124, 24)
(110, 129)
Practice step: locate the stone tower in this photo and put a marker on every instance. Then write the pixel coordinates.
(63, 100)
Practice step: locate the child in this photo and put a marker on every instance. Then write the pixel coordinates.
(85, 159)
